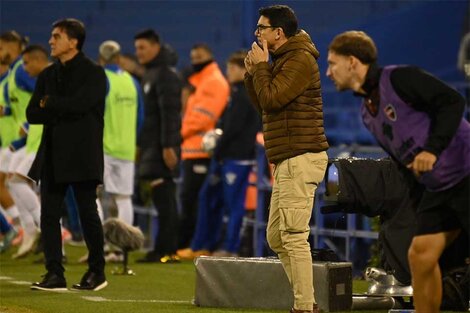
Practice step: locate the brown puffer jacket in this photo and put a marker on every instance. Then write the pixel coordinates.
(288, 95)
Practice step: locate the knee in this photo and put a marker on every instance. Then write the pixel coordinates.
(87, 212)
(421, 257)
(274, 240)
(48, 217)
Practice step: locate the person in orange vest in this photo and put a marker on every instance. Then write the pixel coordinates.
(224, 189)
(204, 107)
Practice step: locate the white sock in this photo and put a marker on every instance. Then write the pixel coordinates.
(125, 209)
(100, 210)
(12, 212)
(27, 221)
(61, 229)
(25, 195)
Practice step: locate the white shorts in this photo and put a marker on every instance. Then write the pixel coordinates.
(118, 176)
(25, 165)
(16, 158)
(5, 159)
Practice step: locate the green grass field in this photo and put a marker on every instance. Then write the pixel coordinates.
(155, 288)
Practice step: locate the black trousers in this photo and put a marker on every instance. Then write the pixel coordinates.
(194, 174)
(164, 199)
(52, 198)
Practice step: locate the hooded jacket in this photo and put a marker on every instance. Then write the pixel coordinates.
(287, 93)
(161, 85)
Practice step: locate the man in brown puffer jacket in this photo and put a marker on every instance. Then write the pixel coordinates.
(287, 93)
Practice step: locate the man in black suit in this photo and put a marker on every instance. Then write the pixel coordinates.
(69, 101)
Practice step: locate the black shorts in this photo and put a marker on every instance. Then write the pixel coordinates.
(445, 210)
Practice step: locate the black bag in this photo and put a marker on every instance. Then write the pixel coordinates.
(370, 187)
(325, 255)
(455, 289)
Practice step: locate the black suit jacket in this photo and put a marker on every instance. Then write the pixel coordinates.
(72, 142)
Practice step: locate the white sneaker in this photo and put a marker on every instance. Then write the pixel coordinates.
(26, 245)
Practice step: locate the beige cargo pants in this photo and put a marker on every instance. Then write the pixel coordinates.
(295, 182)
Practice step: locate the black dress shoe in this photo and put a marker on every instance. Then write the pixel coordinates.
(91, 281)
(51, 281)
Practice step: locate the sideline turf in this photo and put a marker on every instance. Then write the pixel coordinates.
(153, 282)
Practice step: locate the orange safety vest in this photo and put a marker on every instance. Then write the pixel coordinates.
(203, 109)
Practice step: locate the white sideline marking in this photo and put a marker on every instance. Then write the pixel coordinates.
(96, 299)
(102, 299)
(20, 282)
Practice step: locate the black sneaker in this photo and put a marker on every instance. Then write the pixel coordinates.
(51, 281)
(91, 281)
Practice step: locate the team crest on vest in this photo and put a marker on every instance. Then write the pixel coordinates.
(390, 112)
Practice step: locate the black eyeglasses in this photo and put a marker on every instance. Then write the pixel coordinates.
(259, 28)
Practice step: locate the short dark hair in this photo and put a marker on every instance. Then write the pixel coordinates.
(355, 43)
(238, 58)
(36, 49)
(148, 34)
(14, 36)
(74, 29)
(281, 16)
(203, 46)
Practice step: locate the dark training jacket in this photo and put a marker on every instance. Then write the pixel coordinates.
(162, 123)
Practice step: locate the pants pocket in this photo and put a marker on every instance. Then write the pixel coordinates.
(296, 218)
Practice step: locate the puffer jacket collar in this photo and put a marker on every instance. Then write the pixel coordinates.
(301, 40)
